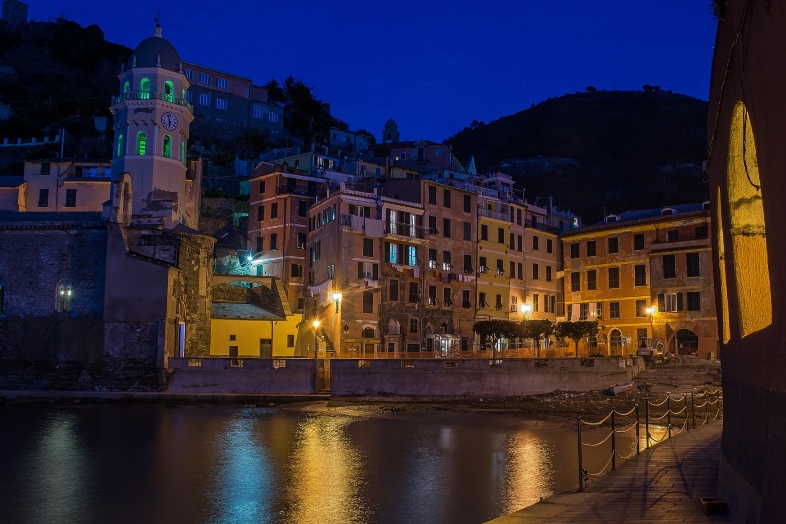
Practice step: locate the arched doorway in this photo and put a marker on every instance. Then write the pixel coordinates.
(615, 342)
(686, 342)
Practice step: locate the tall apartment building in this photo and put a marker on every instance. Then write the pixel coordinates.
(644, 274)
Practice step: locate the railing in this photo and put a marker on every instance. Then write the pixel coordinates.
(497, 215)
(151, 95)
(404, 230)
(699, 406)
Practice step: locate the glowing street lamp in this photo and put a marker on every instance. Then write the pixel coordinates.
(525, 309)
(337, 299)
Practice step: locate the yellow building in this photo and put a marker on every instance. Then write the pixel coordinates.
(646, 277)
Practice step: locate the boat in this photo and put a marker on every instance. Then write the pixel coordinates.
(619, 387)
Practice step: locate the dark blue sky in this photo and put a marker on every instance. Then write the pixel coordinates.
(432, 65)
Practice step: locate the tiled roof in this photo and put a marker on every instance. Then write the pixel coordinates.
(242, 311)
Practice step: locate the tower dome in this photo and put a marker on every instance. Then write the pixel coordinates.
(155, 51)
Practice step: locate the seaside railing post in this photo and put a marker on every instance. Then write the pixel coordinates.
(613, 444)
(581, 466)
(647, 420)
(668, 414)
(693, 408)
(638, 430)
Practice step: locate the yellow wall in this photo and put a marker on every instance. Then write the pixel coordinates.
(248, 332)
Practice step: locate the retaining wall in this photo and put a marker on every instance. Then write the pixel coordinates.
(241, 375)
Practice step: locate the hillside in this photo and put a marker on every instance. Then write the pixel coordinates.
(599, 150)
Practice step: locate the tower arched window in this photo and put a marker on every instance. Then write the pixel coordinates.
(167, 151)
(144, 89)
(183, 151)
(119, 146)
(126, 87)
(141, 143)
(63, 295)
(183, 94)
(169, 91)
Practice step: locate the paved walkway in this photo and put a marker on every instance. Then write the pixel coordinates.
(661, 485)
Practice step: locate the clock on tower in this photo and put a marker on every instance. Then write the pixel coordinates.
(169, 121)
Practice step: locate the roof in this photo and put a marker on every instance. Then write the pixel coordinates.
(655, 212)
(644, 216)
(241, 311)
(155, 51)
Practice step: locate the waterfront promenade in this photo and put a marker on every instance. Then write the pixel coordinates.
(664, 484)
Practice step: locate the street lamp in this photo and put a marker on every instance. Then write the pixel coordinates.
(337, 299)
(525, 309)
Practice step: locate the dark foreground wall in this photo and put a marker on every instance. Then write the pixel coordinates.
(747, 161)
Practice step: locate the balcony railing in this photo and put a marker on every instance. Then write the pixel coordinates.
(151, 95)
(404, 230)
(497, 215)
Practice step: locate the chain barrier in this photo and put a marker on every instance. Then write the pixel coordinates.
(688, 413)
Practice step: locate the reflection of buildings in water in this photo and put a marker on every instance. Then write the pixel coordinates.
(326, 474)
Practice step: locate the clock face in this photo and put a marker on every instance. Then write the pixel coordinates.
(169, 121)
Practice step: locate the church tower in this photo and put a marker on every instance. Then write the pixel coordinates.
(151, 122)
(390, 132)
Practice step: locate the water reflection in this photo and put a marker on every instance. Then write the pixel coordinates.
(529, 470)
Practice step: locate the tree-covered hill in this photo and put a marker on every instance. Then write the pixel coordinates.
(598, 150)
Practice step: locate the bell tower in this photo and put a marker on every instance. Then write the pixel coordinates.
(151, 119)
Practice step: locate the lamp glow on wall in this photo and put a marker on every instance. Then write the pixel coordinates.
(525, 309)
(337, 299)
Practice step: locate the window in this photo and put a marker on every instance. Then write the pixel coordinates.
(548, 274)
(672, 235)
(260, 213)
(413, 292)
(43, 198)
(482, 300)
(446, 227)
(183, 151)
(261, 187)
(467, 204)
(614, 310)
(549, 246)
(482, 263)
(221, 103)
(297, 270)
(204, 78)
(64, 293)
(592, 280)
(465, 303)
(273, 117)
(535, 242)
(120, 145)
(70, 199)
(535, 272)
(614, 245)
(412, 256)
(512, 269)
(519, 243)
(446, 264)
(222, 83)
(413, 325)
(574, 250)
(670, 302)
(446, 296)
(144, 88)
(204, 99)
(500, 267)
(301, 241)
(468, 264)
(260, 244)
(669, 266)
(432, 295)
(392, 253)
(591, 248)
(535, 302)
(575, 282)
(274, 210)
(640, 275)
(641, 308)
(368, 247)
(638, 241)
(368, 302)
(584, 311)
(520, 271)
(701, 231)
(446, 198)
(432, 225)
(46, 168)
(290, 341)
(432, 259)
(393, 292)
(518, 217)
(484, 232)
(432, 195)
(614, 278)
(500, 235)
(273, 239)
(258, 112)
(126, 87)
(141, 143)
(169, 91)
(302, 208)
(498, 303)
(167, 149)
(694, 301)
(692, 260)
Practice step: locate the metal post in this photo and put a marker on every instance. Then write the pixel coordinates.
(613, 444)
(647, 420)
(581, 465)
(693, 408)
(638, 431)
(668, 413)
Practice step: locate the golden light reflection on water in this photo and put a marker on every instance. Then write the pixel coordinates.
(529, 470)
(326, 474)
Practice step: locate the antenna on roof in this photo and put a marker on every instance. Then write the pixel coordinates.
(157, 20)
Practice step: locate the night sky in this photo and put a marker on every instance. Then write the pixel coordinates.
(432, 65)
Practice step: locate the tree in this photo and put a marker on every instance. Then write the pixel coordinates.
(496, 330)
(576, 330)
(536, 330)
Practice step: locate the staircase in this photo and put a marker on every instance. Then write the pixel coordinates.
(322, 335)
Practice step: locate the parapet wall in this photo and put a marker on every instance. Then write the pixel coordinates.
(419, 377)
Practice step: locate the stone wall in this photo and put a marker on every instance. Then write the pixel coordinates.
(245, 375)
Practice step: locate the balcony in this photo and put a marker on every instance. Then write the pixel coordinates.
(151, 95)
(496, 215)
(404, 230)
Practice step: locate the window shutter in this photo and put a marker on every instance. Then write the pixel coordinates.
(360, 270)
(376, 271)
(387, 252)
(679, 301)
(661, 302)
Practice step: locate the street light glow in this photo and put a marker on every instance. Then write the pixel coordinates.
(525, 309)
(651, 310)
(315, 323)
(337, 296)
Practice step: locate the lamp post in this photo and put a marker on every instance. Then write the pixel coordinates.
(315, 324)
(337, 299)
(336, 323)
(525, 309)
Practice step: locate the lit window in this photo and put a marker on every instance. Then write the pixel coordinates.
(221, 82)
(221, 103)
(273, 117)
(141, 143)
(169, 91)
(204, 99)
(167, 150)
(126, 87)
(120, 145)
(258, 112)
(64, 293)
(144, 88)
(189, 74)
(183, 151)
(204, 78)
